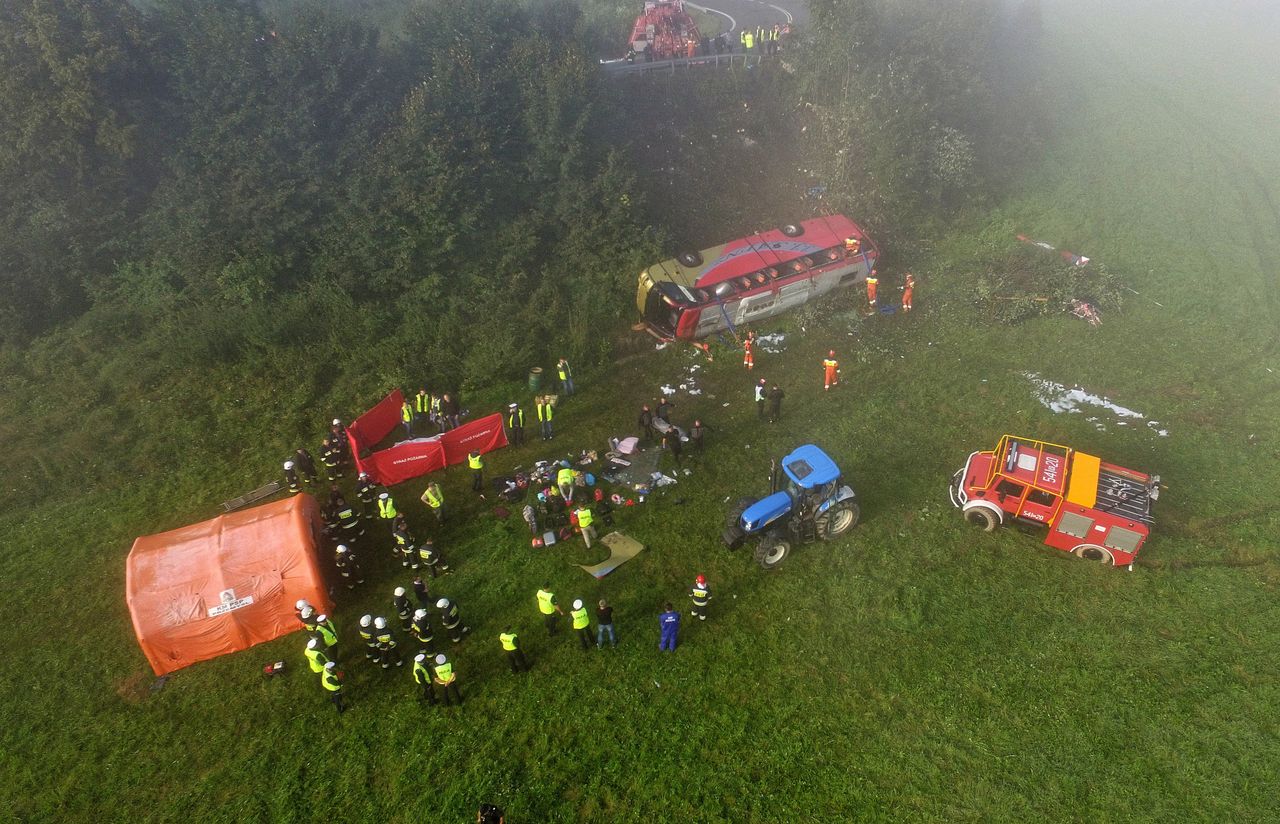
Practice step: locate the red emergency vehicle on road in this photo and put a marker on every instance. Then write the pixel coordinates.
(1092, 509)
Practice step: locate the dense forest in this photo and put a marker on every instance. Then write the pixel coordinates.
(223, 219)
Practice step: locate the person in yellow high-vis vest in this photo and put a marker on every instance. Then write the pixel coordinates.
(434, 498)
(872, 283)
(564, 481)
(581, 624)
(331, 680)
(515, 424)
(515, 656)
(422, 405)
(476, 464)
(315, 656)
(545, 413)
(585, 523)
(448, 680)
(387, 508)
(550, 610)
(565, 374)
(422, 677)
(406, 418)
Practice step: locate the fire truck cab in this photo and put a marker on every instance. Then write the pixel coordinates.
(1092, 509)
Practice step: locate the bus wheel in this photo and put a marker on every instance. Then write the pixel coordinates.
(793, 230)
(689, 259)
(1093, 552)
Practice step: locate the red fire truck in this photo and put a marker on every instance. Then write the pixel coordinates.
(665, 30)
(1092, 509)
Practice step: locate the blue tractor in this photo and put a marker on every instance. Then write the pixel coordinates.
(807, 503)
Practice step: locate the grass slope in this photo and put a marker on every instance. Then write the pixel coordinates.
(916, 671)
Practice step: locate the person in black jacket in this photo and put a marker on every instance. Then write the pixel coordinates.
(305, 464)
(775, 403)
(646, 423)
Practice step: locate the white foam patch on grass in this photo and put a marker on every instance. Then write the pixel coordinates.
(1075, 400)
(774, 343)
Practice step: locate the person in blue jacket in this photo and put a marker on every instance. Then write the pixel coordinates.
(669, 621)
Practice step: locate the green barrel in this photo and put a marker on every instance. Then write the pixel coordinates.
(535, 379)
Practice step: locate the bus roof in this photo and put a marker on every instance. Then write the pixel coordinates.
(754, 252)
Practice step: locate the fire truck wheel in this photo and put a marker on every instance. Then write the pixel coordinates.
(793, 230)
(1093, 552)
(689, 259)
(982, 518)
(837, 520)
(772, 551)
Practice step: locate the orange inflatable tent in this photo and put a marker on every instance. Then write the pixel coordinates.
(224, 585)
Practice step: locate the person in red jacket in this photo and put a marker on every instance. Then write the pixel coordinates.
(748, 351)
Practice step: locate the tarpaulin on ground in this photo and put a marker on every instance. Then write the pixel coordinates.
(224, 585)
(412, 458)
(374, 425)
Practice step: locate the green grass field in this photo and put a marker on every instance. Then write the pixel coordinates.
(917, 671)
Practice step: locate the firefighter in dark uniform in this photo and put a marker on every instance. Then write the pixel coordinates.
(388, 649)
(451, 620)
(348, 519)
(291, 477)
(367, 494)
(348, 566)
(366, 635)
(406, 546)
(432, 558)
(701, 596)
(305, 464)
(404, 610)
(331, 458)
(422, 631)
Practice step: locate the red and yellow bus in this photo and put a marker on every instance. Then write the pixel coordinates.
(696, 294)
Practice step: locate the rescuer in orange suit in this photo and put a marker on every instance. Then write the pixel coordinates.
(852, 246)
(908, 286)
(872, 282)
(830, 368)
(748, 356)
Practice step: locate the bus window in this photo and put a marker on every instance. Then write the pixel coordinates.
(772, 273)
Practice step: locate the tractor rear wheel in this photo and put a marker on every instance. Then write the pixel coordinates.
(735, 515)
(982, 518)
(772, 551)
(837, 520)
(1093, 552)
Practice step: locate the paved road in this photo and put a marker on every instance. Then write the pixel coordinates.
(752, 13)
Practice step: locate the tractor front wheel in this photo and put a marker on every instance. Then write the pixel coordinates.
(772, 551)
(837, 520)
(1093, 552)
(982, 518)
